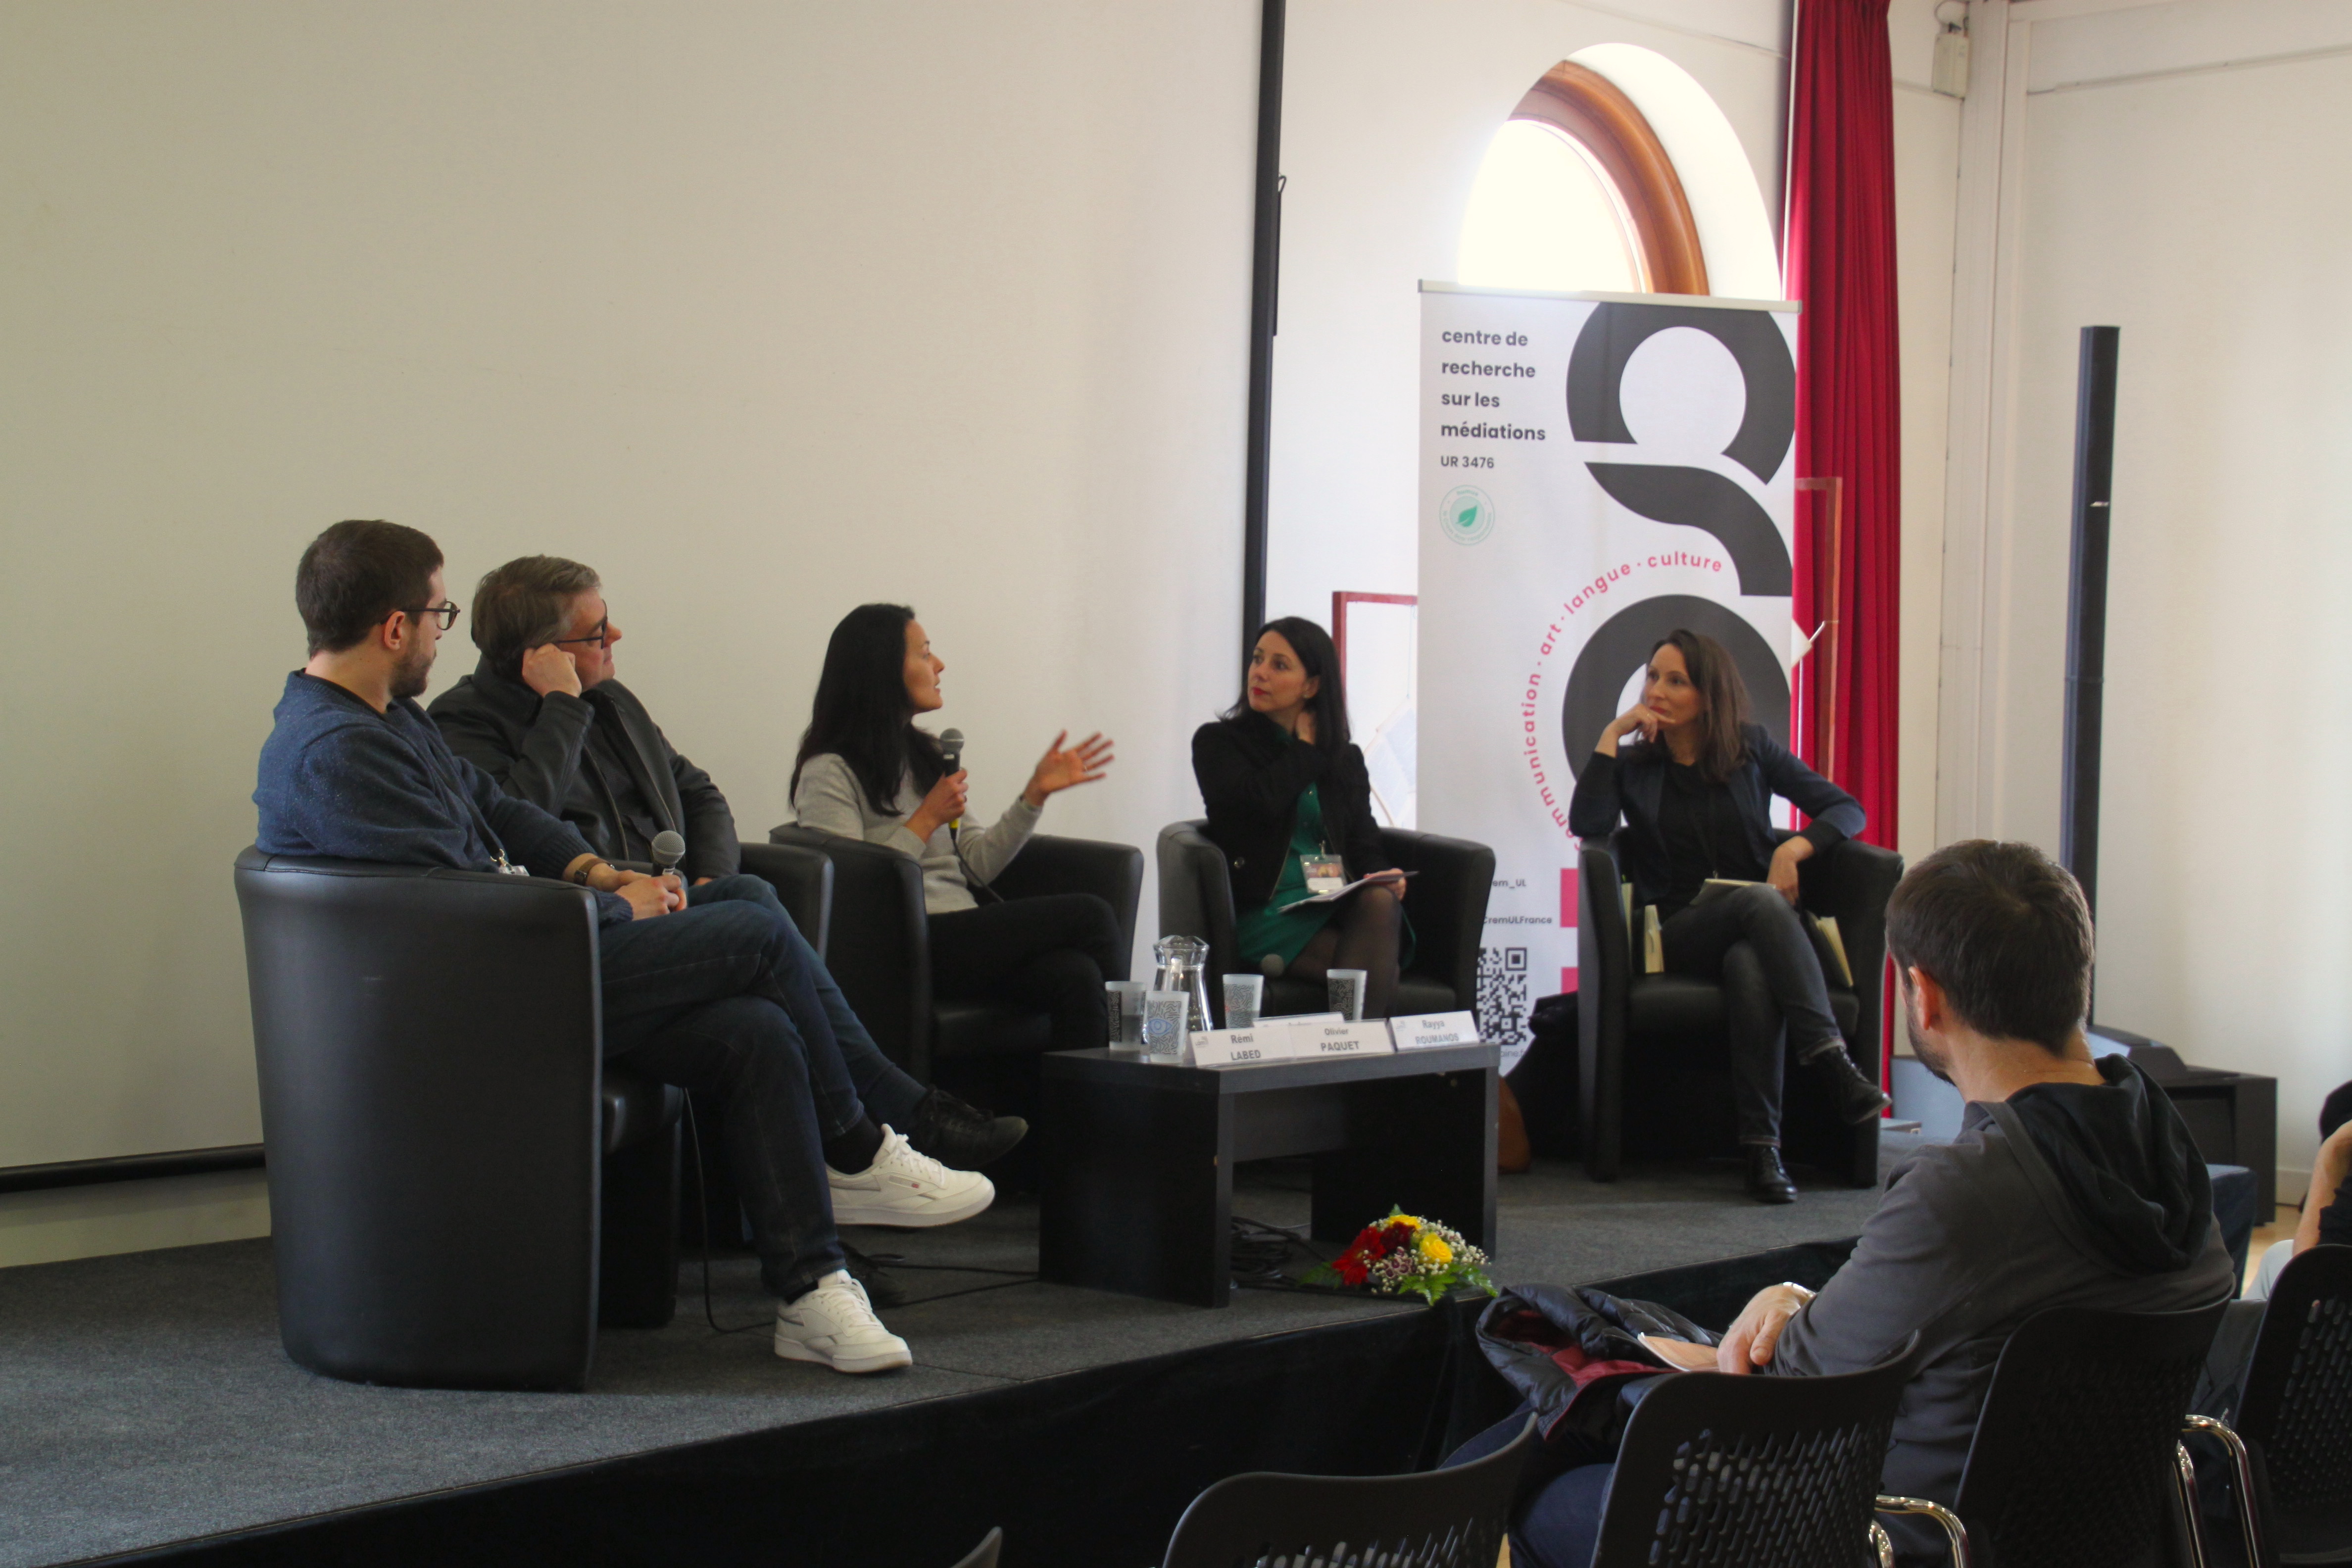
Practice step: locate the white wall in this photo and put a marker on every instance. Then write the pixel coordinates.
(2174, 170)
(1388, 107)
(763, 309)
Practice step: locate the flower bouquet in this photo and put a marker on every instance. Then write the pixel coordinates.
(1402, 1256)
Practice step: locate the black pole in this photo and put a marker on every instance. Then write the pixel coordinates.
(2086, 607)
(1264, 278)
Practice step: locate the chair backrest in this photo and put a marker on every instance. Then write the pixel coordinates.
(1196, 896)
(422, 1034)
(803, 878)
(1764, 1472)
(878, 943)
(2296, 1413)
(2072, 1464)
(984, 1554)
(1441, 1519)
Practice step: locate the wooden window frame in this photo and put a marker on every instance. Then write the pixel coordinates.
(1594, 112)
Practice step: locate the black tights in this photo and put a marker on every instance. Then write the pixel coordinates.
(1365, 934)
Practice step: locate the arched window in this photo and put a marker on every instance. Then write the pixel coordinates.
(1577, 192)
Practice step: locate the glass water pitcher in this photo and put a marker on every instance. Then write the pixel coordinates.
(1184, 966)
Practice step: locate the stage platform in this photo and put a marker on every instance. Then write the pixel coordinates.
(146, 1409)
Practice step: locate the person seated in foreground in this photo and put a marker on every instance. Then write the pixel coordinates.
(1694, 783)
(2325, 1214)
(544, 715)
(2073, 1182)
(704, 990)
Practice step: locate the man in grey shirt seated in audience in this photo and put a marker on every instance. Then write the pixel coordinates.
(2073, 1182)
(544, 715)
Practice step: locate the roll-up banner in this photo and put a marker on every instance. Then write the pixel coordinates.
(1596, 470)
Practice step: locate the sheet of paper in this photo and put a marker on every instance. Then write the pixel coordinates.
(1325, 1041)
(1429, 1031)
(1274, 1041)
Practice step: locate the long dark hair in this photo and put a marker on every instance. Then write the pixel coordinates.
(1721, 746)
(1320, 660)
(862, 713)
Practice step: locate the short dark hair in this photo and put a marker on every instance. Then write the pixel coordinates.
(2004, 930)
(525, 603)
(356, 573)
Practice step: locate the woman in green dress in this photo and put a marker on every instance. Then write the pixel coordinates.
(1285, 788)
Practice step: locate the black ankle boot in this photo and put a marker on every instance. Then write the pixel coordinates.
(962, 1137)
(1768, 1180)
(1857, 1099)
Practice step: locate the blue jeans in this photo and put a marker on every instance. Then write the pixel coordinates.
(727, 998)
(1556, 1520)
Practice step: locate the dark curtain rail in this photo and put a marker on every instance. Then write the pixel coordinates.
(130, 1168)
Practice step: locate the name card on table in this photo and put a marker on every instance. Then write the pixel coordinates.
(1325, 1041)
(1431, 1030)
(1271, 1042)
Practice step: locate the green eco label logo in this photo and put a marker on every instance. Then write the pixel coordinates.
(1466, 515)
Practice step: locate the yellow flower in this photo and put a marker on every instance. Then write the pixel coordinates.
(1405, 1219)
(1434, 1247)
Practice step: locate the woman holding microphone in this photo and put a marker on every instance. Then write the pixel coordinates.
(866, 770)
(1695, 791)
(1284, 787)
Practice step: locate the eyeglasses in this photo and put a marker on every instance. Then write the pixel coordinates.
(601, 637)
(446, 613)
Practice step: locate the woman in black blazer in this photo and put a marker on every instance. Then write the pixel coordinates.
(1284, 786)
(1696, 793)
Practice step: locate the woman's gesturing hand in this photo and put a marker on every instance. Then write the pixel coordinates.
(942, 806)
(1638, 717)
(1792, 853)
(1059, 768)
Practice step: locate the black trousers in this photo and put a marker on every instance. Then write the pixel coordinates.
(1752, 941)
(1050, 952)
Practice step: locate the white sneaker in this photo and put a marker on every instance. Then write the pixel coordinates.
(907, 1189)
(833, 1325)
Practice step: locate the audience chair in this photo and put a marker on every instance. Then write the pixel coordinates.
(449, 1157)
(2077, 1460)
(2295, 1418)
(1440, 1519)
(1653, 1075)
(1446, 903)
(880, 947)
(984, 1554)
(1764, 1472)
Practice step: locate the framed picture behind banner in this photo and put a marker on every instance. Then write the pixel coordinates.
(1376, 637)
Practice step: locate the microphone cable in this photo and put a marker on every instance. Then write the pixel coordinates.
(895, 1260)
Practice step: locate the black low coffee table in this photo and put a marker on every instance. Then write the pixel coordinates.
(1139, 1159)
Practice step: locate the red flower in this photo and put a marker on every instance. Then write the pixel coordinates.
(1368, 1240)
(1351, 1269)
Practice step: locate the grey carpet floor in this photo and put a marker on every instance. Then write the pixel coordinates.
(144, 1398)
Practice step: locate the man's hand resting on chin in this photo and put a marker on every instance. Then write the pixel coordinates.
(1750, 1342)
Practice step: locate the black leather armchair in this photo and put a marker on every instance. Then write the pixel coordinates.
(1652, 1071)
(453, 1168)
(881, 946)
(1447, 904)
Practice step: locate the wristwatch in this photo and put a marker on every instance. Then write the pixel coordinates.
(581, 875)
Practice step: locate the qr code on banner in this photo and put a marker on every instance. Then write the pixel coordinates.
(1502, 1001)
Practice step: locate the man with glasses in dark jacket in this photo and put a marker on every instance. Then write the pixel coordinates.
(545, 715)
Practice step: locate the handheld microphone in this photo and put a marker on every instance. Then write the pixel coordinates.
(669, 849)
(1272, 966)
(952, 753)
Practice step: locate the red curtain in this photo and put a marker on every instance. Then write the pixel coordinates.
(1841, 263)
